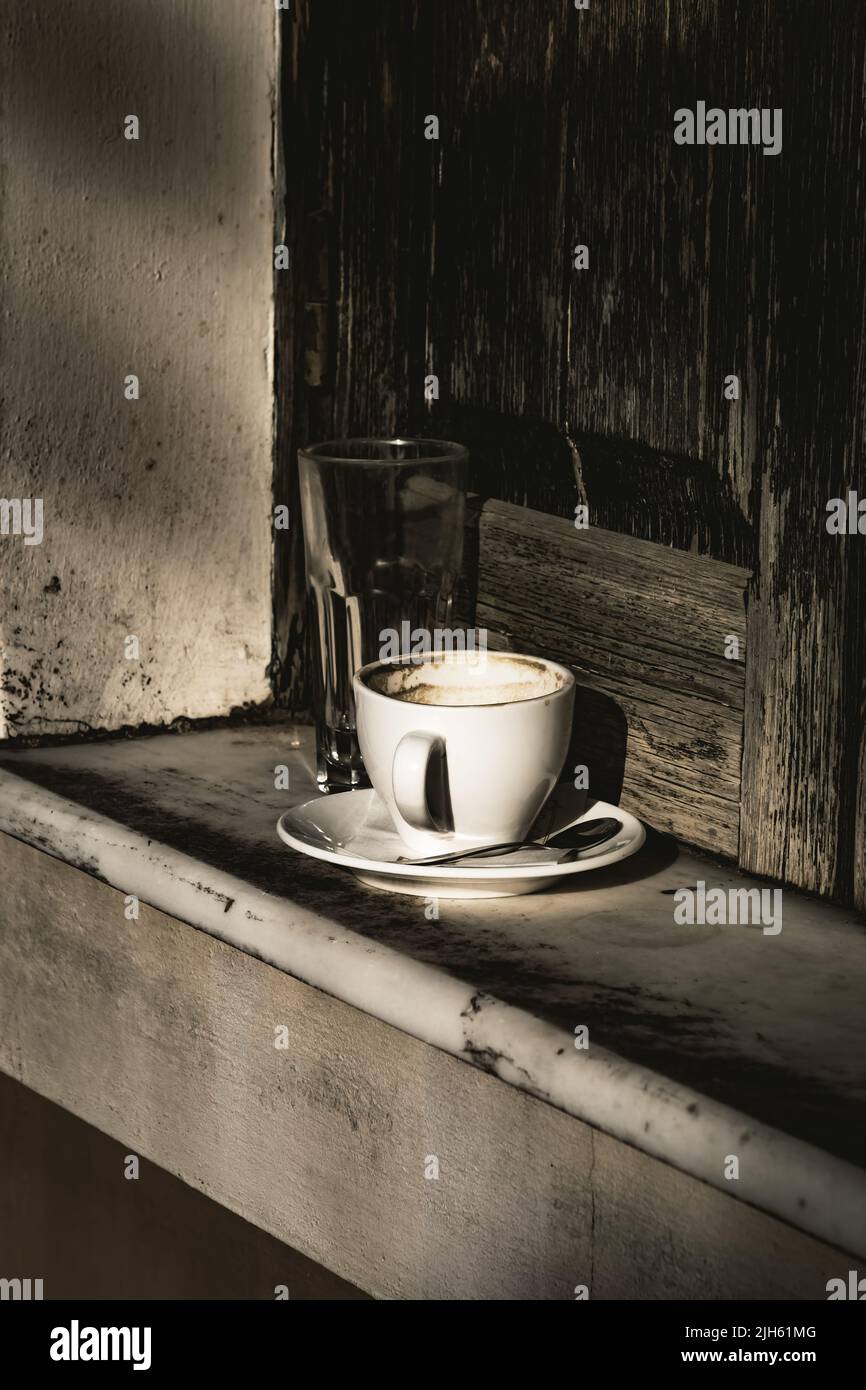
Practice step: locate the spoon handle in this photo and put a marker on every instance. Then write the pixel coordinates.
(456, 854)
(588, 835)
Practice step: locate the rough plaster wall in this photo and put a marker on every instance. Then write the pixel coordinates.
(151, 257)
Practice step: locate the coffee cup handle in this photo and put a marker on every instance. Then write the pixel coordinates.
(416, 757)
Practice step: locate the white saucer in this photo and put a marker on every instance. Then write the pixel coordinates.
(354, 829)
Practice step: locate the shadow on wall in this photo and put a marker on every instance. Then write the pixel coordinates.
(88, 1232)
(599, 742)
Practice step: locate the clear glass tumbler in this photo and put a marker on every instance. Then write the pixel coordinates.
(383, 536)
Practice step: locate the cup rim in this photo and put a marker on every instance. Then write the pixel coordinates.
(326, 451)
(359, 680)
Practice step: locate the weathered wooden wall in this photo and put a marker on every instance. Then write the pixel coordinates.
(807, 622)
(606, 385)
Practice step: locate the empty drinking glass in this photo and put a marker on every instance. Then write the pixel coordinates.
(383, 536)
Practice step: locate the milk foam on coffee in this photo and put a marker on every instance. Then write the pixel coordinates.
(470, 678)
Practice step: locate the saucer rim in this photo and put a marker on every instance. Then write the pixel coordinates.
(630, 825)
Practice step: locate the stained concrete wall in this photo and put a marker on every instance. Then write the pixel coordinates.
(154, 257)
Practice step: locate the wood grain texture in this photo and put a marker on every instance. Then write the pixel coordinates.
(860, 810)
(495, 323)
(453, 257)
(606, 385)
(301, 319)
(163, 1037)
(807, 614)
(355, 218)
(666, 310)
(659, 712)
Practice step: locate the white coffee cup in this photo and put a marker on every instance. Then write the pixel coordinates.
(464, 748)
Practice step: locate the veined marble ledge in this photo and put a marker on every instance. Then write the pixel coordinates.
(704, 1041)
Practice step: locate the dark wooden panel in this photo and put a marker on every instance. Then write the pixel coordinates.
(860, 810)
(660, 708)
(558, 128)
(606, 385)
(806, 623)
(297, 199)
(497, 279)
(454, 257)
(350, 318)
(666, 309)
